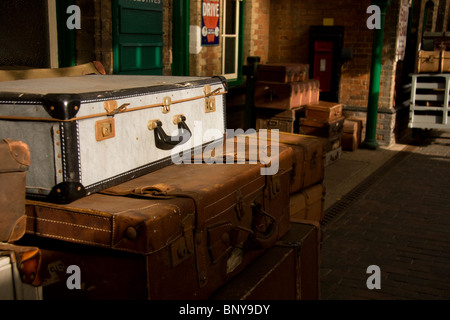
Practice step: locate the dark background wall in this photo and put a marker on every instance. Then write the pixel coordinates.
(24, 33)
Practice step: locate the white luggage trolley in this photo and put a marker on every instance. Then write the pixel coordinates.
(429, 105)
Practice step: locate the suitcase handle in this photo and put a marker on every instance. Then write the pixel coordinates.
(267, 238)
(166, 142)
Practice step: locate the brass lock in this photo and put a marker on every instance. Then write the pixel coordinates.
(105, 129)
(210, 100)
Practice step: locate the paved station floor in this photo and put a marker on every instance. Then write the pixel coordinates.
(388, 208)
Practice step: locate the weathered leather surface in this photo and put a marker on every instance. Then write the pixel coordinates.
(14, 163)
(27, 259)
(122, 223)
(324, 111)
(326, 129)
(194, 226)
(306, 162)
(287, 271)
(309, 159)
(11, 74)
(285, 96)
(283, 72)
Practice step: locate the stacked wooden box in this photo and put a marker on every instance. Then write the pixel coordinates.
(281, 92)
(324, 119)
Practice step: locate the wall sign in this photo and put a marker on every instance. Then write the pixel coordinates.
(402, 29)
(210, 22)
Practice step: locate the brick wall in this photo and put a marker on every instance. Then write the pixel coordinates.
(208, 61)
(256, 37)
(289, 27)
(257, 29)
(289, 42)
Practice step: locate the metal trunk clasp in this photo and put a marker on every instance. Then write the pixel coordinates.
(210, 100)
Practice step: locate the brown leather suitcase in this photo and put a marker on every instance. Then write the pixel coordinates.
(285, 96)
(351, 135)
(177, 233)
(324, 111)
(332, 156)
(288, 271)
(285, 121)
(309, 163)
(332, 143)
(23, 265)
(281, 96)
(308, 203)
(326, 129)
(14, 164)
(282, 72)
(307, 156)
(310, 92)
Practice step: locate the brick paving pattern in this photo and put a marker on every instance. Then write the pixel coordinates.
(401, 224)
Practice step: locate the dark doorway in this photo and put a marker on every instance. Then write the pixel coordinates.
(325, 59)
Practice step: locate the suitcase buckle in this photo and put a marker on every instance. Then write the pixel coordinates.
(210, 100)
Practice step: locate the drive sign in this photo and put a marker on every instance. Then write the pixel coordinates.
(210, 22)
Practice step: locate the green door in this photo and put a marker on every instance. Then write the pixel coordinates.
(138, 37)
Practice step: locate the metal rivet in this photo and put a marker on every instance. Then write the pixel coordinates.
(131, 233)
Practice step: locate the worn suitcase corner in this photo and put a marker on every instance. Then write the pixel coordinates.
(62, 106)
(66, 192)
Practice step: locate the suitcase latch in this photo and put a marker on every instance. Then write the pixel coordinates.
(105, 129)
(274, 187)
(166, 104)
(210, 100)
(183, 247)
(112, 109)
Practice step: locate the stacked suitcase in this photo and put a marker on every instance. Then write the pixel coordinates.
(121, 185)
(268, 277)
(324, 119)
(307, 194)
(281, 92)
(352, 134)
(17, 264)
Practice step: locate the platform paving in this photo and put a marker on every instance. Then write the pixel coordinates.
(390, 208)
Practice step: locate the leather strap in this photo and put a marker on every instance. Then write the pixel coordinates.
(122, 110)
